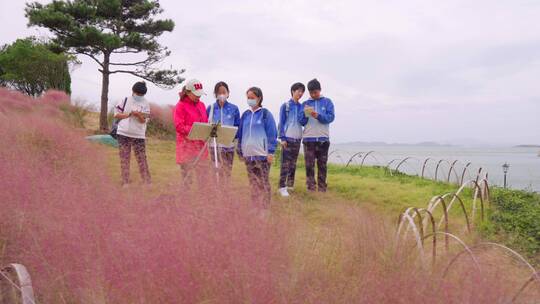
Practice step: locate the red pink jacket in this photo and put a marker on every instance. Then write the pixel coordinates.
(185, 114)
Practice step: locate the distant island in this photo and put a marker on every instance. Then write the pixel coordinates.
(380, 143)
(527, 146)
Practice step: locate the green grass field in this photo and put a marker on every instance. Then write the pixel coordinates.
(368, 189)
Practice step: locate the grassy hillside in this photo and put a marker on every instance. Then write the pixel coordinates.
(512, 219)
(86, 239)
(374, 189)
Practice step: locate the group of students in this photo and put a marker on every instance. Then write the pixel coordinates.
(304, 123)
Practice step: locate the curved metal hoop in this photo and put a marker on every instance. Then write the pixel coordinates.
(365, 156)
(424, 166)
(464, 171)
(403, 162)
(352, 157)
(531, 279)
(535, 274)
(15, 280)
(438, 165)
(452, 168)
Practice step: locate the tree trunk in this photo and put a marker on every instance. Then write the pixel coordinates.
(103, 121)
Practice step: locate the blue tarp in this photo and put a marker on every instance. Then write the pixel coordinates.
(103, 139)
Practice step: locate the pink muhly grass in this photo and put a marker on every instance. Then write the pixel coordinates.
(83, 239)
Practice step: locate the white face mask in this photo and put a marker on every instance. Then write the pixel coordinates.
(138, 98)
(252, 102)
(222, 98)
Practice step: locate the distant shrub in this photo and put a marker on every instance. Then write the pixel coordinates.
(161, 123)
(517, 216)
(76, 113)
(33, 67)
(110, 118)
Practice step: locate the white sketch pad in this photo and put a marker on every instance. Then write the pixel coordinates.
(201, 131)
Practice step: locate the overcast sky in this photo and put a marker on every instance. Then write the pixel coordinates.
(397, 71)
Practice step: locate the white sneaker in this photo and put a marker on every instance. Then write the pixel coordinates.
(283, 192)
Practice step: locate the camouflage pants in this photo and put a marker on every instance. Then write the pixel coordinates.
(316, 152)
(226, 158)
(289, 156)
(258, 175)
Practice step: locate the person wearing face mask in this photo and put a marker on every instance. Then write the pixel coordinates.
(133, 113)
(257, 141)
(225, 113)
(190, 109)
(316, 116)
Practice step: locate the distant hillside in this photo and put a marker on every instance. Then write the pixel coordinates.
(380, 143)
(527, 146)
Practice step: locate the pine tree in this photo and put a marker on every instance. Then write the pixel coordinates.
(106, 29)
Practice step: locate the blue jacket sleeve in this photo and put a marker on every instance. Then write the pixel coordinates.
(236, 117)
(302, 119)
(329, 115)
(271, 133)
(208, 111)
(237, 121)
(282, 121)
(239, 136)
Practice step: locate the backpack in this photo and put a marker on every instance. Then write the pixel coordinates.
(287, 110)
(114, 128)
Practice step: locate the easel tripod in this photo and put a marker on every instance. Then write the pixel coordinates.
(211, 141)
(212, 135)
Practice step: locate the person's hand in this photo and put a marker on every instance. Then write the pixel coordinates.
(121, 116)
(138, 115)
(284, 144)
(314, 114)
(270, 158)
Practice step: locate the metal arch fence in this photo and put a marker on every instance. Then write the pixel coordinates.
(450, 171)
(433, 222)
(16, 285)
(418, 220)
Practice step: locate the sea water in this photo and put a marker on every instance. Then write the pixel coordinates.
(524, 171)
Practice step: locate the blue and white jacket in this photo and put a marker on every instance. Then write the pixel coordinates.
(228, 115)
(289, 128)
(317, 129)
(257, 135)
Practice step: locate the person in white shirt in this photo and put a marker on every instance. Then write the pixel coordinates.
(133, 113)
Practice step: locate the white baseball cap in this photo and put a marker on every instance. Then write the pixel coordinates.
(195, 87)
